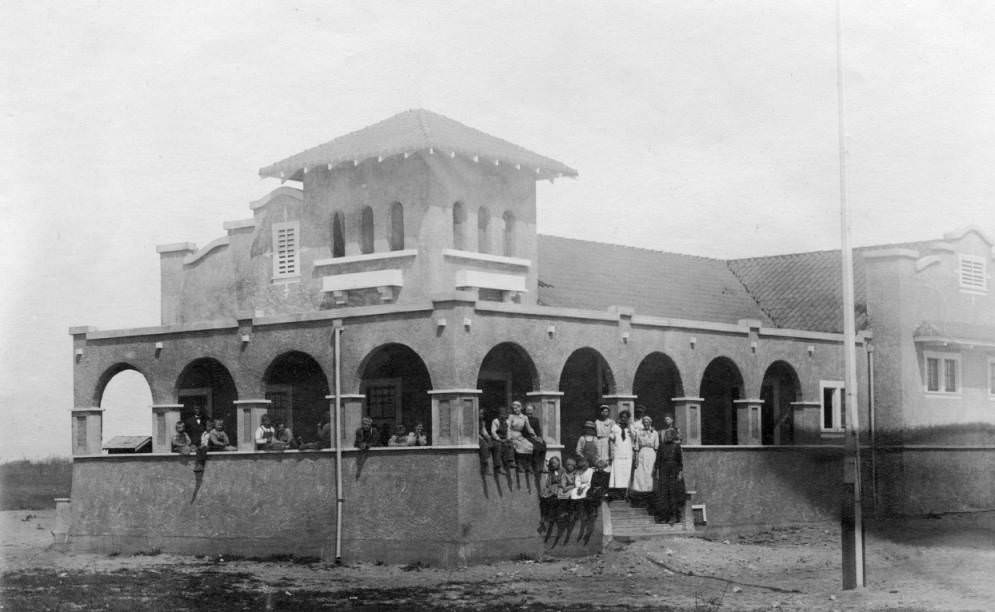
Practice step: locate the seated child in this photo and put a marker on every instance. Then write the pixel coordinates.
(264, 434)
(181, 441)
(568, 481)
(400, 438)
(582, 483)
(217, 438)
(283, 437)
(600, 478)
(418, 437)
(549, 488)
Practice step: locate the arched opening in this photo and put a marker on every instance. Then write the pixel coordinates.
(297, 386)
(396, 227)
(721, 385)
(396, 383)
(483, 230)
(126, 399)
(780, 388)
(366, 243)
(585, 379)
(206, 385)
(509, 234)
(338, 234)
(459, 226)
(656, 383)
(507, 373)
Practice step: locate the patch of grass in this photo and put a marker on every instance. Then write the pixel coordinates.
(33, 485)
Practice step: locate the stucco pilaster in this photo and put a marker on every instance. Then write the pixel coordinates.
(164, 419)
(687, 415)
(249, 415)
(87, 430)
(748, 421)
(455, 417)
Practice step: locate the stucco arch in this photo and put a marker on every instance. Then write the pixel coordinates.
(206, 383)
(396, 381)
(656, 382)
(586, 377)
(297, 386)
(112, 371)
(721, 385)
(779, 387)
(505, 373)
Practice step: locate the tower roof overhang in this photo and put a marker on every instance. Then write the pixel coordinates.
(411, 132)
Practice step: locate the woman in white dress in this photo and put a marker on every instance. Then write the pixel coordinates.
(622, 450)
(603, 427)
(519, 432)
(647, 441)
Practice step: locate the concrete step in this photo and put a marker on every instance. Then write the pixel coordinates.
(624, 521)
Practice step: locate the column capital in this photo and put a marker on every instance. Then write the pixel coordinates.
(746, 402)
(695, 400)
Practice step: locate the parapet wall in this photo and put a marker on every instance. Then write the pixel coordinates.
(427, 505)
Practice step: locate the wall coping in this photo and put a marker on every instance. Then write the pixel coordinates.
(252, 401)
(753, 400)
(544, 393)
(325, 452)
(687, 399)
(86, 409)
(833, 448)
(891, 254)
(175, 247)
(349, 259)
(207, 248)
(455, 391)
(346, 396)
(807, 404)
(518, 262)
(239, 224)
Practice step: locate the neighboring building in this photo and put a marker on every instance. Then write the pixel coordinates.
(417, 236)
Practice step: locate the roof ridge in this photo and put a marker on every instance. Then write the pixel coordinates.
(635, 248)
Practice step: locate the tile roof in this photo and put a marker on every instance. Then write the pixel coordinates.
(805, 290)
(410, 132)
(594, 275)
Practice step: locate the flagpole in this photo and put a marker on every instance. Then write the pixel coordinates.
(851, 517)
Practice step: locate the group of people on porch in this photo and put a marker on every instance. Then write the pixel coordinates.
(640, 463)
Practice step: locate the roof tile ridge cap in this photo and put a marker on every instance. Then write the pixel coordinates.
(636, 248)
(425, 131)
(756, 300)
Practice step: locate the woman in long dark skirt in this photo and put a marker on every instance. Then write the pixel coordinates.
(669, 475)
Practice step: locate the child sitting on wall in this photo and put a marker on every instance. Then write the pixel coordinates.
(264, 433)
(549, 488)
(418, 437)
(181, 441)
(400, 438)
(217, 438)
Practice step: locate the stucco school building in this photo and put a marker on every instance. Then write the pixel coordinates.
(417, 237)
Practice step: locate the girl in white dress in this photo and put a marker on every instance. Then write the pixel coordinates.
(622, 450)
(647, 442)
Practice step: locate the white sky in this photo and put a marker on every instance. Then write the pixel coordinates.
(705, 127)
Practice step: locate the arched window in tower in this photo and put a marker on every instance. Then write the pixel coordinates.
(338, 234)
(509, 234)
(459, 226)
(483, 230)
(366, 231)
(396, 227)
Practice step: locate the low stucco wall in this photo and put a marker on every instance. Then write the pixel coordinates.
(932, 479)
(746, 486)
(404, 505)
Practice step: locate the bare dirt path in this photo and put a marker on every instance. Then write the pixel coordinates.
(930, 564)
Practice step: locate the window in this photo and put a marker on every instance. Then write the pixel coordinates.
(285, 250)
(991, 377)
(459, 226)
(483, 237)
(338, 235)
(833, 405)
(366, 231)
(942, 372)
(509, 234)
(396, 227)
(972, 273)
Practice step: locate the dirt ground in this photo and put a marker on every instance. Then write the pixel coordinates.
(943, 563)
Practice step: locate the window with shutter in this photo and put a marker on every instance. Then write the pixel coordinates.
(286, 260)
